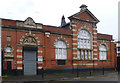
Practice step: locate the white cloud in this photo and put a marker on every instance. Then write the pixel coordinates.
(50, 11)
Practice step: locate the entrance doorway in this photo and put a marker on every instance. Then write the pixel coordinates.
(30, 60)
(9, 68)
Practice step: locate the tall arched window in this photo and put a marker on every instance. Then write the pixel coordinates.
(60, 50)
(102, 52)
(84, 45)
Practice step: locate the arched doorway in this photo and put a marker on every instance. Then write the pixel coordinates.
(30, 43)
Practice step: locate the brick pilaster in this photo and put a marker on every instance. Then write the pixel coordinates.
(19, 57)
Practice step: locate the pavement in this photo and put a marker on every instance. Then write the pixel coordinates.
(58, 78)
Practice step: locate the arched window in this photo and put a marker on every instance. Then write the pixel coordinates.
(102, 52)
(60, 50)
(84, 45)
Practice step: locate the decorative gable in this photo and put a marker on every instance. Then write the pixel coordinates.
(84, 15)
(29, 23)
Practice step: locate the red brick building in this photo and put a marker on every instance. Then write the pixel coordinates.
(28, 46)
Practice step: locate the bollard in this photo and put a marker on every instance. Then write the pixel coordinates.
(42, 73)
(77, 73)
(90, 71)
(72, 70)
(103, 71)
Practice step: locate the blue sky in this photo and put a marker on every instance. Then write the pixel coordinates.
(49, 12)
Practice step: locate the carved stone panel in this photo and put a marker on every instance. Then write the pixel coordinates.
(29, 39)
(29, 22)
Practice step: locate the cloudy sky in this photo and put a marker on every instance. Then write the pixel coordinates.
(49, 12)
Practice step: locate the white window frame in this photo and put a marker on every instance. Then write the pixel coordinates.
(84, 45)
(102, 52)
(60, 50)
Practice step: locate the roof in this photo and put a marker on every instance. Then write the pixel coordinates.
(101, 36)
(82, 17)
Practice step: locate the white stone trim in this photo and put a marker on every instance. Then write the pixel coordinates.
(74, 43)
(94, 53)
(63, 39)
(74, 39)
(19, 68)
(19, 62)
(40, 67)
(74, 48)
(75, 58)
(94, 33)
(40, 51)
(40, 56)
(94, 37)
(94, 41)
(74, 53)
(74, 34)
(74, 29)
(38, 41)
(74, 64)
(73, 25)
(18, 50)
(94, 45)
(86, 64)
(19, 56)
(95, 50)
(95, 59)
(47, 33)
(94, 29)
(39, 62)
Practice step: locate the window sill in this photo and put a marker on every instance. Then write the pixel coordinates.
(104, 60)
(82, 60)
(61, 59)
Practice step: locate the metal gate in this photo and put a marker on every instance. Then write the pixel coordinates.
(118, 63)
(29, 61)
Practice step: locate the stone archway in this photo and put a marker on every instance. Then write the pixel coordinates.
(29, 42)
(29, 39)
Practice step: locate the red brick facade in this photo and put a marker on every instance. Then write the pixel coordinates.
(46, 37)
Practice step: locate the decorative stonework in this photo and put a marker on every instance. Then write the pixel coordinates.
(8, 51)
(63, 39)
(29, 39)
(29, 22)
(90, 64)
(103, 43)
(47, 34)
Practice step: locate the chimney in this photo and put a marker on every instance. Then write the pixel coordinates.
(83, 7)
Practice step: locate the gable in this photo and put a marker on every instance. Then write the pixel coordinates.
(29, 22)
(85, 16)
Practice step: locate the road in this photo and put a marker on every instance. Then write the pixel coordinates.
(95, 79)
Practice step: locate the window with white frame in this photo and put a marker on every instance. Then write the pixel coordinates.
(102, 52)
(84, 45)
(60, 50)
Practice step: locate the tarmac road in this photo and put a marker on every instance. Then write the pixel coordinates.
(109, 78)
